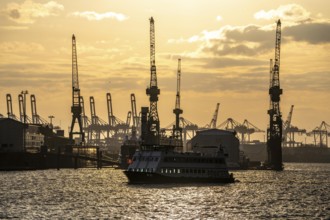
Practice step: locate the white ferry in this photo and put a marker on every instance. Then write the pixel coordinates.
(161, 164)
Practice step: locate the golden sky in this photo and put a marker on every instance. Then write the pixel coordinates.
(225, 47)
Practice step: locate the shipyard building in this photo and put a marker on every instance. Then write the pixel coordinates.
(208, 141)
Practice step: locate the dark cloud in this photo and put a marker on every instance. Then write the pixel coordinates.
(237, 42)
(14, 14)
(223, 62)
(313, 33)
(311, 81)
(253, 40)
(251, 81)
(229, 62)
(250, 33)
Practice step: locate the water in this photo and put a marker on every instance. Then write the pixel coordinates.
(301, 191)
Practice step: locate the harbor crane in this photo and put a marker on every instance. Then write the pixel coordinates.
(135, 118)
(230, 124)
(24, 118)
(153, 135)
(85, 120)
(76, 109)
(321, 134)
(213, 123)
(274, 132)
(246, 129)
(36, 119)
(177, 130)
(97, 124)
(289, 130)
(10, 108)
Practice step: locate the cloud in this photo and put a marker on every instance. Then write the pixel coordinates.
(247, 41)
(255, 40)
(94, 16)
(29, 11)
(313, 33)
(14, 27)
(20, 47)
(290, 12)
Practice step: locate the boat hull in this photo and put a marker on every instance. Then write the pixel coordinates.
(144, 177)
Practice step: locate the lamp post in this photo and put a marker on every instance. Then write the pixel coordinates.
(51, 120)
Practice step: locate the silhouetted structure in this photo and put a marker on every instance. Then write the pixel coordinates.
(274, 132)
(177, 130)
(289, 130)
(153, 134)
(76, 109)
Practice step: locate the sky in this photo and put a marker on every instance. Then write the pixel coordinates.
(225, 48)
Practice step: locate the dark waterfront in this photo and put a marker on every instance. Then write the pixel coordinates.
(301, 191)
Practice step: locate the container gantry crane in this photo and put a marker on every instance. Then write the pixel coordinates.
(76, 109)
(177, 130)
(246, 129)
(136, 119)
(36, 119)
(289, 130)
(153, 135)
(321, 134)
(10, 108)
(22, 110)
(97, 126)
(274, 132)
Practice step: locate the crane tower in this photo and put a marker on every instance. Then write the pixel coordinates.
(274, 132)
(177, 130)
(76, 108)
(153, 91)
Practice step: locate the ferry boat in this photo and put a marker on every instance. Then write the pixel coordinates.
(161, 164)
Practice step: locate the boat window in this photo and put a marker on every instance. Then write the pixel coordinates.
(174, 170)
(170, 171)
(165, 170)
(179, 171)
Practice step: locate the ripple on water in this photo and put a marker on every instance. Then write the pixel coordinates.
(299, 192)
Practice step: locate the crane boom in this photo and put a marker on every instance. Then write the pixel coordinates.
(178, 85)
(134, 111)
(111, 118)
(75, 81)
(10, 107)
(213, 123)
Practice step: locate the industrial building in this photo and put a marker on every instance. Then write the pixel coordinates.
(11, 135)
(208, 141)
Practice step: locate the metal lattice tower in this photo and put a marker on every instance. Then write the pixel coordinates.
(153, 92)
(177, 130)
(274, 132)
(76, 108)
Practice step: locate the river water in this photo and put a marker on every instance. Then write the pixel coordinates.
(301, 191)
